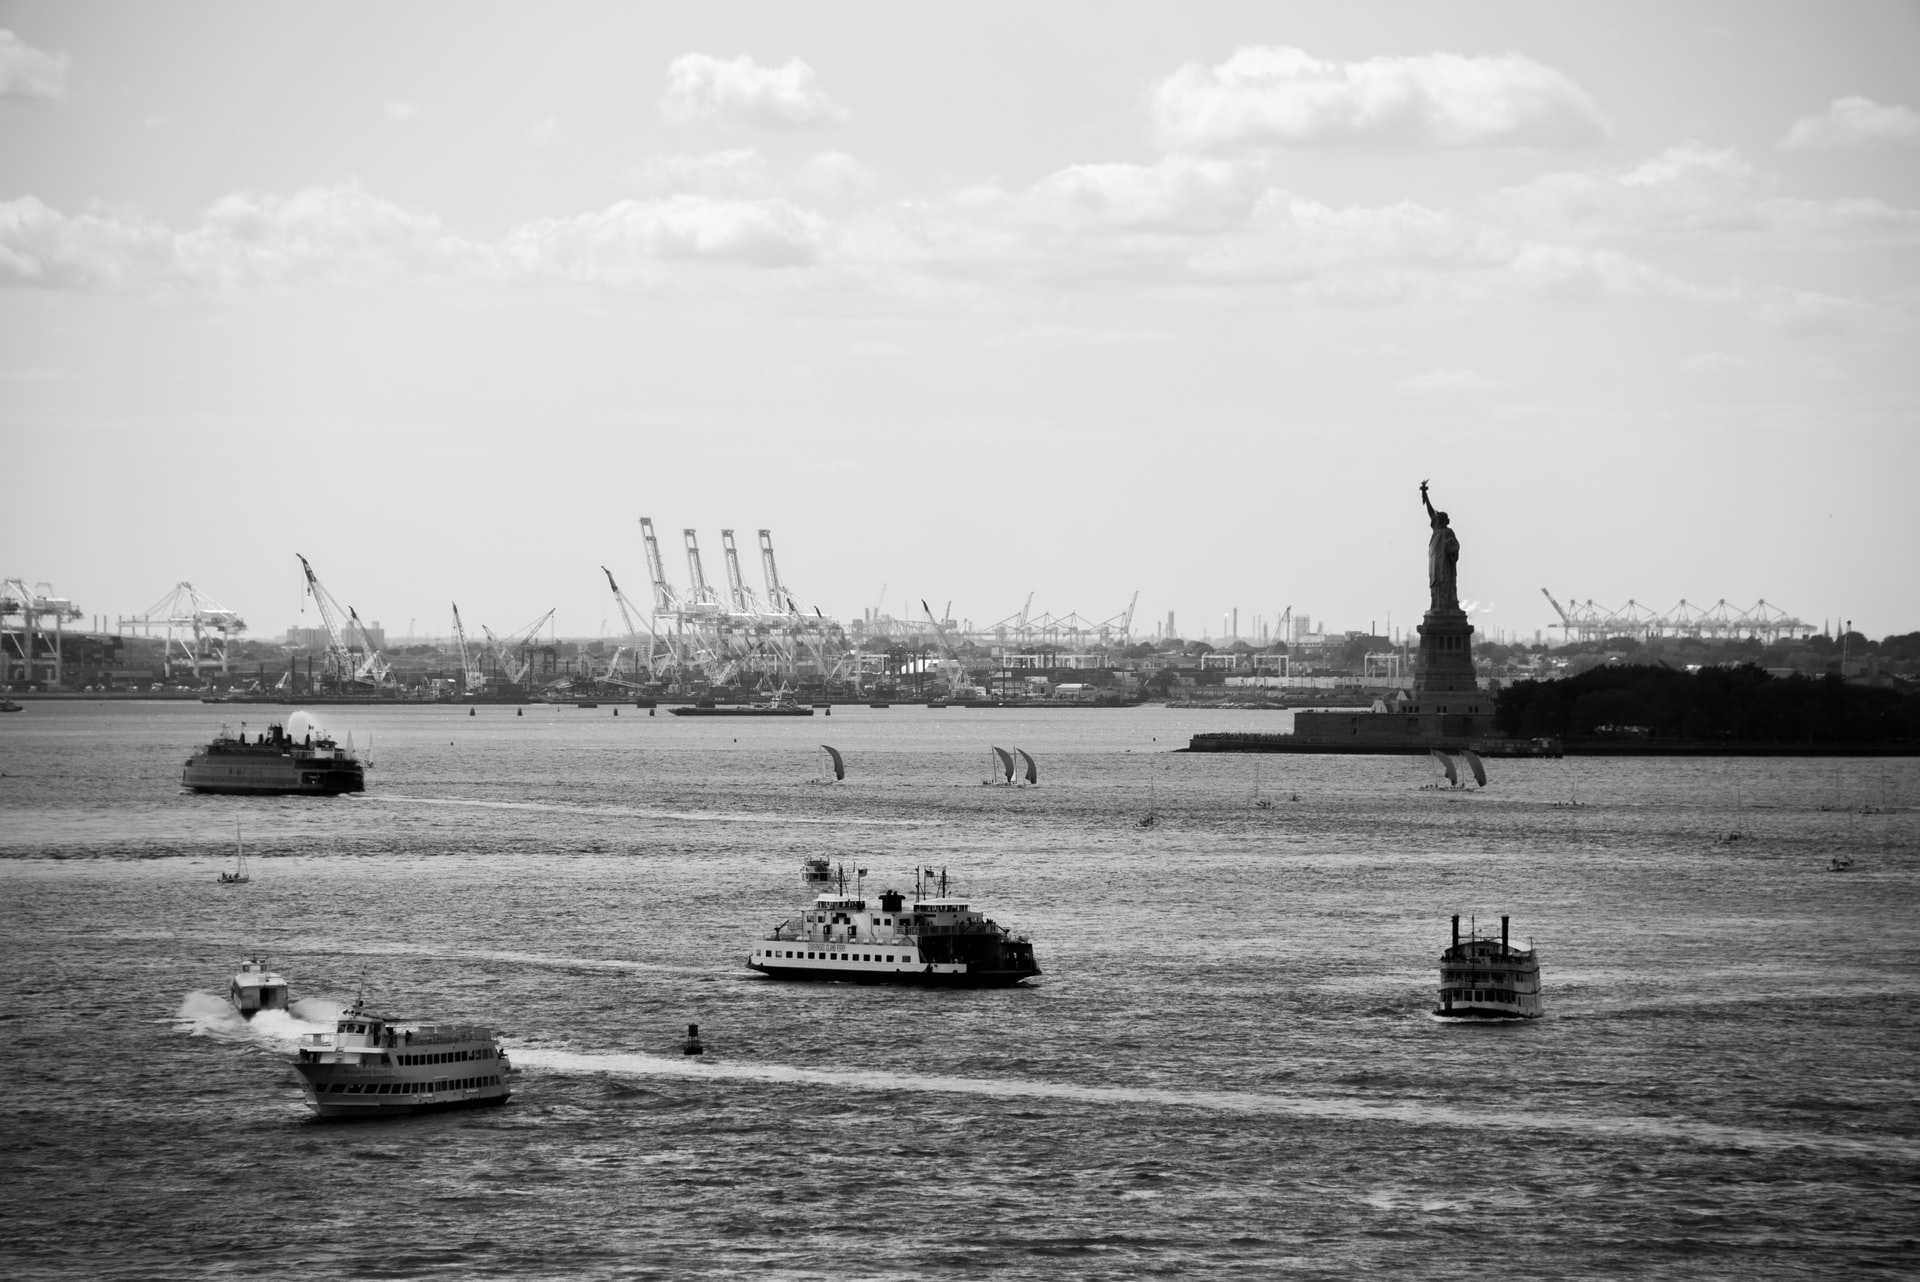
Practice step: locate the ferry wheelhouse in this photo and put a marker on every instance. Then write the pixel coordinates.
(934, 939)
(255, 988)
(1489, 978)
(371, 1066)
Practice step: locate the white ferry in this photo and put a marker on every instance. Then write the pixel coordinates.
(256, 988)
(370, 1066)
(936, 939)
(1489, 978)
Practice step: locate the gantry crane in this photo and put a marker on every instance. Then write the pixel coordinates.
(25, 646)
(204, 619)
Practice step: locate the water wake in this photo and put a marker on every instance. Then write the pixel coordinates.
(204, 1014)
(628, 812)
(1405, 1113)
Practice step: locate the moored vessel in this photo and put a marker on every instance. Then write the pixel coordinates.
(372, 1066)
(1488, 978)
(255, 988)
(298, 758)
(936, 939)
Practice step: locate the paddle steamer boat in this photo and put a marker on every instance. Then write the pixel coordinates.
(1488, 978)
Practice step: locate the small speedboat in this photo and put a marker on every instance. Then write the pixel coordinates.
(255, 988)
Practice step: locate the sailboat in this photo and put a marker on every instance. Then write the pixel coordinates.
(839, 763)
(239, 873)
(1033, 771)
(1446, 764)
(1259, 802)
(1474, 763)
(1152, 816)
(1000, 764)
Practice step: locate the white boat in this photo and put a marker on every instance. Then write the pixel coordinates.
(255, 988)
(371, 1066)
(1489, 978)
(936, 939)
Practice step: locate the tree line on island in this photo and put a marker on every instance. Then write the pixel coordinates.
(1737, 704)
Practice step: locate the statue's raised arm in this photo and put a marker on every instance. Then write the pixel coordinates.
(1443, 557)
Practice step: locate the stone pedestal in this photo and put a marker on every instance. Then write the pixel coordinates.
(1445, 664)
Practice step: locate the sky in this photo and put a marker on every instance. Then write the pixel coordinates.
(1076, 300)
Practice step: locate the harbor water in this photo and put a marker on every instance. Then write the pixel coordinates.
(1229, 1064)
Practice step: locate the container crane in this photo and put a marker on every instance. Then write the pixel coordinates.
(204, 619)
(742, 598)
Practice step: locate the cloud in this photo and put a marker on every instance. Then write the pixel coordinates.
(1719, 363)
(401, 111)
(1284, 97)
(1798, 314)
(1084, 337)
(336, 234)
(1855, 123)
(541, 134)
(737, 172)
(1449, 382)
(630, 242)
(739, 91)
(29, 74)
(1708, 193)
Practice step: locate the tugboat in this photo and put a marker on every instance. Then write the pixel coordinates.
(935, 940)
(296, 758)
(1488, 978)
(371, 1066)
(256, 989)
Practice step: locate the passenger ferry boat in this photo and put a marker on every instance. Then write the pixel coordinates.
(296, 758)
(255, 988)
(936, 939)
(1489, 978)
(371, 1066)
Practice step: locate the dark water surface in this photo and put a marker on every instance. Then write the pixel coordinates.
(1227, 1066)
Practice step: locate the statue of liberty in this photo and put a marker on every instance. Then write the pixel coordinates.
(1443, 558)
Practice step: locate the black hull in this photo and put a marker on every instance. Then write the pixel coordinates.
(386, 1111)
(330, 789)
(742, 712)
(906, 978)
(1497, 1016)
